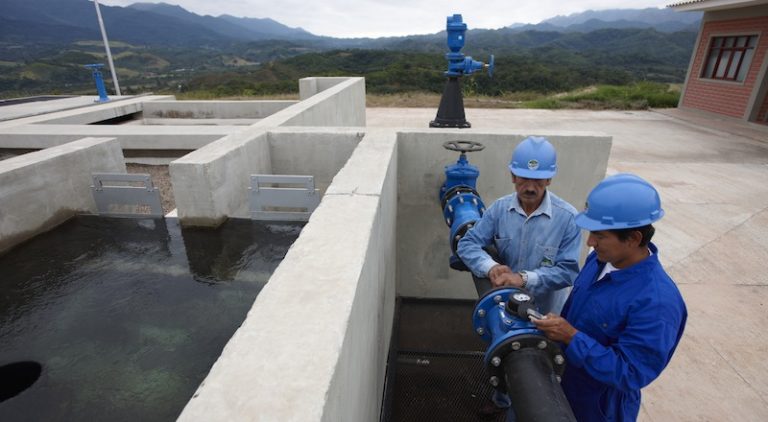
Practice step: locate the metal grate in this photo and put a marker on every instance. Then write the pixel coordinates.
(442, 387)
(281, 202)
(126, 195)
(435, 369)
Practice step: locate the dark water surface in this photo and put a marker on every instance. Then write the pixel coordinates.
(126, 317)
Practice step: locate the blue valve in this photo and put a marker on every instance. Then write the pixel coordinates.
(96, 69)
(462, 205)
(458, 64)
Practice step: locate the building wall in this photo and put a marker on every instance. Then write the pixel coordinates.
(726, 97)
(762, 114)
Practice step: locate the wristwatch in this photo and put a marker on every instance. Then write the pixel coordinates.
(524, 276)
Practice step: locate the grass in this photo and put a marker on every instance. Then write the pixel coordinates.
(638, 96)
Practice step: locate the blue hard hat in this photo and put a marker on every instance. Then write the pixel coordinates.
(621, 201)
(534, 158)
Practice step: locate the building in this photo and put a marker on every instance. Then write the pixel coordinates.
(728, 72)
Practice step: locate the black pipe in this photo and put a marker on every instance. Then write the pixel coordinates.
(534, 389)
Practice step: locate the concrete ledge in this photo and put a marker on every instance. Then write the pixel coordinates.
(89, 114)
(341, 104)
(309, 87)
(129, 136)
(334, 298)
(214, 109)
(42, 189)
(423, 246)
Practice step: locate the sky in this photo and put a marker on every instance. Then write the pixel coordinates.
(369, 18)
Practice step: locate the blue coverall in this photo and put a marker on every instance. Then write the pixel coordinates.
(629, 324)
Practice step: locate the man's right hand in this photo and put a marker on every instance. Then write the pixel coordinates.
(502, 275)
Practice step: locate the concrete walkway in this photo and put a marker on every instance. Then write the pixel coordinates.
(712, 175)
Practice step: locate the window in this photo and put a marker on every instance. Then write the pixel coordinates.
(729, 57)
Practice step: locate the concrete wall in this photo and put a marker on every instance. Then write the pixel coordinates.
(312, 86)
(318, 152)
(211, 183)
(42, 189)
(314, 345)
(423, 248)
(342, 104)
(214, 109)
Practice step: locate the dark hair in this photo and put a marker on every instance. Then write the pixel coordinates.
(646, 231)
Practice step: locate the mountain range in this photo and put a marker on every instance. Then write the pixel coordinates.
(165, 48)
(155, 24)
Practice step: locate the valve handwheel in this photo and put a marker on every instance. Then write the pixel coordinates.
(463, 146)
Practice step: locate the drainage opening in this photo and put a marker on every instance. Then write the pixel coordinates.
(17, 377)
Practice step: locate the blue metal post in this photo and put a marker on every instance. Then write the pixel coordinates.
(103, 98)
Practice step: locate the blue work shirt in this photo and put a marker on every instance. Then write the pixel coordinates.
(629, 323)
(544, 244)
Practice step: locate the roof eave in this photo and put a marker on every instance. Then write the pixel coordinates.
(708, 5)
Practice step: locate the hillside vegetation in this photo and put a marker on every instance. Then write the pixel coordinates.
(615, 63)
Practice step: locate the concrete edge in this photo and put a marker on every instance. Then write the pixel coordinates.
(323, 292)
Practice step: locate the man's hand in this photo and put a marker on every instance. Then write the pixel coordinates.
(502, 275)
(556, 328)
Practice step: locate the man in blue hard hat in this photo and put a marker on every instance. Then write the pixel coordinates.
(625, 316)
(534, 233)
(532, 229)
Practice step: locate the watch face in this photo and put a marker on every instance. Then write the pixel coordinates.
(521, 297)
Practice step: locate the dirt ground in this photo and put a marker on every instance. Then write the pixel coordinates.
(161, 179)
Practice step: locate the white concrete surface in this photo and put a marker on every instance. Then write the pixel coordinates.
(423, 244)
(129, 136)
(314, 345)
(309, 87)
(17, 111)
(42, 189)
(338, 102)
(84, 115)
(211, 184)
(319, 152)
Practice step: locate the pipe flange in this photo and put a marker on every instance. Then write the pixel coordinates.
(521, 342)
(457, 190)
